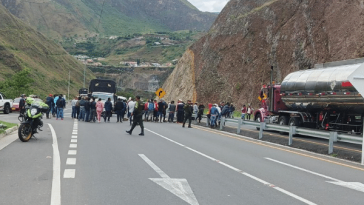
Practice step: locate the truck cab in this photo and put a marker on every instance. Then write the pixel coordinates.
(271, 102)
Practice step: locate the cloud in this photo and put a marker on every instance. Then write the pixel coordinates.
(209, 5)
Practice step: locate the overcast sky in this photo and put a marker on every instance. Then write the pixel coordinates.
(209, 5)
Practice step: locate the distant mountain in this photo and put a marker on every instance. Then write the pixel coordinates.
(59, 18)
(23, 47)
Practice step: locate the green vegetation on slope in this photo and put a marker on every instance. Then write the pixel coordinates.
(136, 47)
(21, 47)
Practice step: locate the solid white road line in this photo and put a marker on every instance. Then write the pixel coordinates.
(56, 182)
(239, 171)
(73, 145)
(69, 173)
(71, 161)
(305, 170)
(73, 140)
(72, 152)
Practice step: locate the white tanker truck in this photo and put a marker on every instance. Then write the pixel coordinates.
(320, 98)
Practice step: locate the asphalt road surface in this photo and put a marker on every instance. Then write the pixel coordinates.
(74, 162)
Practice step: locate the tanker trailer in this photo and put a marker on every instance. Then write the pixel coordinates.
(319, 98)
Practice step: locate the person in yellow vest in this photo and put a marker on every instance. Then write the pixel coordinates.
(137, 116)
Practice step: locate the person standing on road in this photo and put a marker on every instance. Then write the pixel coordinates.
(93, 110)
(22, 104)
(214, 114)
(73, 104)
(61, 104)
(49, 103)
(131, 106)
(180, 111)
(249, 111)
(119, 106)
(172, 110)
(82, 110)
(99, 109)
(87, 109)
(138, 117)
(188, 113)
(243, 112)
(108, 109)
(161, 110)
(55, 106)
(201, 109)
(78, 107)
(150, 110)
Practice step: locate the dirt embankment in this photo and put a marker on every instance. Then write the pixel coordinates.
(233, 60)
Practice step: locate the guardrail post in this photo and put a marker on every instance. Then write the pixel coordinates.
(292, 131)
(239, 126)
(207, 122)
(333, 138)
(222, 123)
(262, 127)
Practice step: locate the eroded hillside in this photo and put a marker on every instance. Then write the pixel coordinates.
(23, 47)
(233, 60)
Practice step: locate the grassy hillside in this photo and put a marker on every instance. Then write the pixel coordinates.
(66, 18)
(22, 47)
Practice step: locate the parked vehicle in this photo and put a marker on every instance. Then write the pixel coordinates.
(15, 106)
(320, 98)
(5, 104)
(103, 89)
(32, 121)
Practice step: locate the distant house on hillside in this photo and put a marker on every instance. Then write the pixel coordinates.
(89, 61)
(131, 63)
(157, 43)
(156, 64)
(113, 37)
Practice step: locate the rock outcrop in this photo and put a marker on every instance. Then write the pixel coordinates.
(234, 59)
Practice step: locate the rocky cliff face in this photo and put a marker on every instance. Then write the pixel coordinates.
(233, 60)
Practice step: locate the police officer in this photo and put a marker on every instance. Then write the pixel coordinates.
(138, 116)
(188, 113)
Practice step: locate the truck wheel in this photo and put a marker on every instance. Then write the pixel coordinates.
(283, 120)
(294, 121)
(6, 109)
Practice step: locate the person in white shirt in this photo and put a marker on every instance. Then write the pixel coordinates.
(131, 106)
(74, 111)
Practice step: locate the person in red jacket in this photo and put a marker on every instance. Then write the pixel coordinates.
(243, 112)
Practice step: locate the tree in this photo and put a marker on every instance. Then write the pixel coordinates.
(19, 83)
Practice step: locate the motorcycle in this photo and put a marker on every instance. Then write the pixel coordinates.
(31, 121)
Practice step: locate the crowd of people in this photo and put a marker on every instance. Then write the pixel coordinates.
(91, 109)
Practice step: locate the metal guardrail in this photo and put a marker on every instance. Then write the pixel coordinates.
(292, 130)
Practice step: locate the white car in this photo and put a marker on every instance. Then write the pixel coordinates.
(5, 104)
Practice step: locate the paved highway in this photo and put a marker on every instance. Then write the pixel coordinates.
(75, 162)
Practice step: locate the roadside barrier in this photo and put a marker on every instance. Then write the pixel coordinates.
(292, 130)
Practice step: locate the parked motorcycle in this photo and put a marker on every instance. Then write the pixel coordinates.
(32, 119)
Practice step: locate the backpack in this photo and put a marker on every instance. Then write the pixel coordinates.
(59, 102)
(78, 103)
(150, 106)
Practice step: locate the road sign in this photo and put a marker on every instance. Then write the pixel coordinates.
(160, 93)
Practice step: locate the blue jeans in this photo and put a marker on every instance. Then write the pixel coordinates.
(74, 112)
(213, 120)
(60, 112)
(171, 117)
(87, 118)
(82, 114)
(243, 116)
(160, 114)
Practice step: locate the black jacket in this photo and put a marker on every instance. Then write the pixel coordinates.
(119, 105)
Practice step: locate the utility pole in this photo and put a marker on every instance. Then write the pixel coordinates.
(84, 75)
(69, 81)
